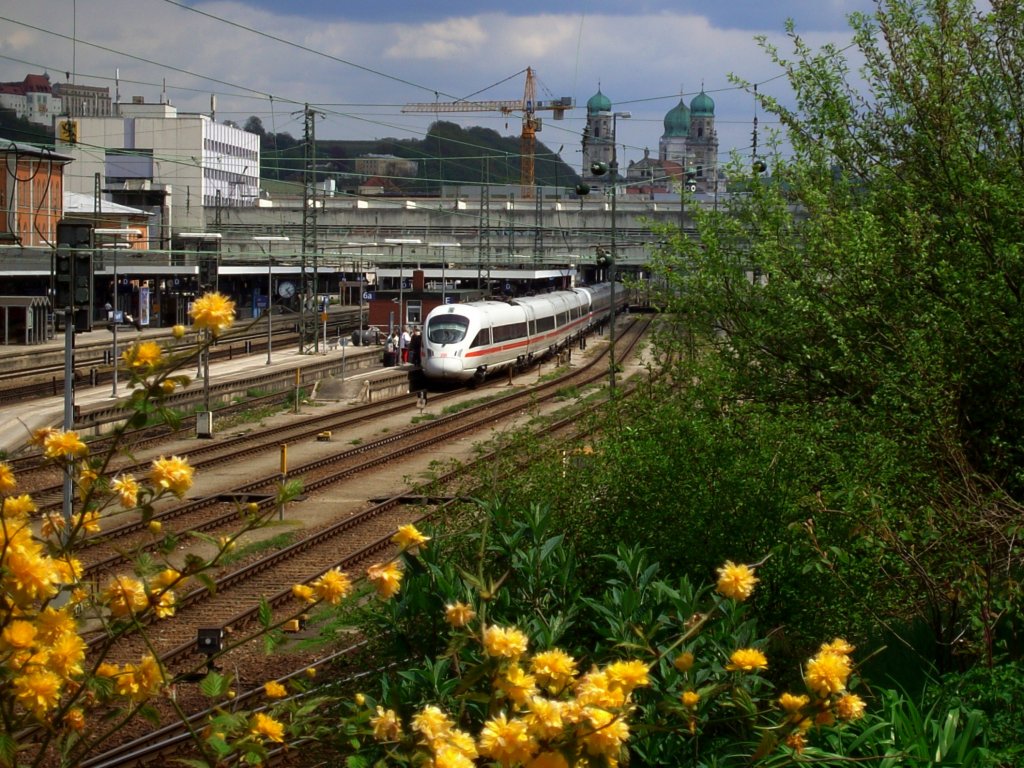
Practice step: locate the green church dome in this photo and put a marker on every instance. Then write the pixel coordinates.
(677, 121)
(702, 105)
(599, 103)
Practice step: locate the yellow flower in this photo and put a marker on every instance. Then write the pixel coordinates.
(595, 689)
(39, 436)
(683, 662)
(509, 643)
(627, 675)
(67, 655)
(38, 691)
(507, 741)
(409, 539)
(29, 576)
(447, 756)
(166, 579)
(690, 699)
(548, 760)
(52, 623)
(304, 592)
(143, 356)
(212, 311)
(63, 445)
(431, 723)
(18, 506)
(736, 581)
(89, 521)
(274, 690)
(838, 645)
(385, 725)
(127, 489)
(75, 719)
(310, 672)
(827, 673)
(173, 474)
(7, 481)
(609, 732)
(155, 527)
(792, 703)
(796, 741)
(19, 634)
(164, 604)
(545, 717)
(178, 331)
(554, 669)
(125, 596)
(850, 707)
(387, 579)
(517, 685)
(333, 586)
(458, 614)
(266, 727)
(747, 660)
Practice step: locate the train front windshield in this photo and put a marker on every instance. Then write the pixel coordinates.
(447, 329)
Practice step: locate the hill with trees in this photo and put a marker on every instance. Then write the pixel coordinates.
(448, 154)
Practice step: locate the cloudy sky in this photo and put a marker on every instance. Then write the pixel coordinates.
(358, 62)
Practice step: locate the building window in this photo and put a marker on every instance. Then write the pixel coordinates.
(413, 312)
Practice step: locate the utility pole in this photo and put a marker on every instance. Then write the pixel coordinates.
(309, 214)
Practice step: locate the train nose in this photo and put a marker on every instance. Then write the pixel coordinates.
(443, 367)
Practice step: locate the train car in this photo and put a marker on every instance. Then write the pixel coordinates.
(468, 342)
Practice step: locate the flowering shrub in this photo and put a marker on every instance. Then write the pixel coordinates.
(515, 669)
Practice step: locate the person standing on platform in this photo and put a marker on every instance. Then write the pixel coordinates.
(403, 344)
(415, 347)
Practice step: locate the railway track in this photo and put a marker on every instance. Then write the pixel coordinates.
(364, 535)
(93, 363)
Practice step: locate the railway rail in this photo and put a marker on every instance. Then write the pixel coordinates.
(93, 362)
(364, 535)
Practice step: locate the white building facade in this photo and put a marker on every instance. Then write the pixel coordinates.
(172, 165)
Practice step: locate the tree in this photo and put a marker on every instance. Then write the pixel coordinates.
(873, 283)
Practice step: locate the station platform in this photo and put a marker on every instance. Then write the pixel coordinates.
(18, 421)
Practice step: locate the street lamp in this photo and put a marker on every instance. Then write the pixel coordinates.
(115, 246)
(444, 264)
(401, 243)
(270, 240)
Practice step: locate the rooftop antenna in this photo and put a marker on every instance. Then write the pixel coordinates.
(163, 92)
(117, 85)
(213, 107)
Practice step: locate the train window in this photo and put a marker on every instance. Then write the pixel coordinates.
(447, 329)
(483, 338)
(508, 332)
(563, 318)
(545, 324)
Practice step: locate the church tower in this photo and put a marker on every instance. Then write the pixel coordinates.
(672, 145)
(702, 143)
(598, 142)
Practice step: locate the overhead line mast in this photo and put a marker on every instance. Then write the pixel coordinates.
(528, 105)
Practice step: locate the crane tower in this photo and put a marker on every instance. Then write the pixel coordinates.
(528, 105)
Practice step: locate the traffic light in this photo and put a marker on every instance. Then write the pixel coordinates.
(597, 168)
(63, 279)
(582, 189)
(208, 272)
(73, 279)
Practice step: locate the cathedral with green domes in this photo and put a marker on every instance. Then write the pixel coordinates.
(687, 149)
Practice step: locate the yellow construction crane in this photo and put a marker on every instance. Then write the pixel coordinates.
(531, 123)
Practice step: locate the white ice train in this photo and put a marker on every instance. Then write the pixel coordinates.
(463, 342)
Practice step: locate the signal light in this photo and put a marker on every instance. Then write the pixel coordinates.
(598, 168)
(582, 189)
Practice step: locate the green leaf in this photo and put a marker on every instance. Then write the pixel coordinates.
(265, 614)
